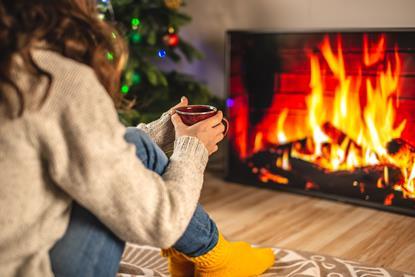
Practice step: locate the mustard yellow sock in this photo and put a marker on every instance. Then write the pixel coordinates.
(178, 265)
(233, 259)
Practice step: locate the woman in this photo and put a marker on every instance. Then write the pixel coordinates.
(74, 183)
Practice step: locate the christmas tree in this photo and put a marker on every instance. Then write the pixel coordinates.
(152, 30)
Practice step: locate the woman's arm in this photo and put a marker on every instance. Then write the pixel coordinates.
(162, 129)
(88, 158)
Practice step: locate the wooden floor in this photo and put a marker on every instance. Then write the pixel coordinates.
(310, 224)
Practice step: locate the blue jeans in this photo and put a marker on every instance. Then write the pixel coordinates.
(89, 248)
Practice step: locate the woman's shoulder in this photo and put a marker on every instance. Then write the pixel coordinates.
(60, 67)
(71, 83)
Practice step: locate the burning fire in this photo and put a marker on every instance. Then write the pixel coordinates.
(351, 127)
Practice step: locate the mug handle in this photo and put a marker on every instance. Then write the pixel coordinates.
(226, 123)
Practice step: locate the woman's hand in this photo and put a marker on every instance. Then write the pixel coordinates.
(209, 131)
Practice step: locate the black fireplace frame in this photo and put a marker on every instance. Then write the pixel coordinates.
(248, 180)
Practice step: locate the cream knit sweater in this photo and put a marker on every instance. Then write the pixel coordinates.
(73, 147)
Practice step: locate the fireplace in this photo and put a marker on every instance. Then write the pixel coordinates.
(326, 113)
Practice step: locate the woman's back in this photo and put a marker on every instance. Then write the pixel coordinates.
(34, 211)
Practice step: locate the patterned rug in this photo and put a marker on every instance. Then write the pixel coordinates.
(146, 261)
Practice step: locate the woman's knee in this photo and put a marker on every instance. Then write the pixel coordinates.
(88, 248)
(147, 150)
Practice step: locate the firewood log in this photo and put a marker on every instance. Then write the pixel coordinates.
(339, 137)
(398, 148)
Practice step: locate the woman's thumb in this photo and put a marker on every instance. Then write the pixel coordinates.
(184, 101)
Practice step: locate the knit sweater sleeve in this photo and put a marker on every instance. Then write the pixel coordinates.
(161, 131)
(89, 159)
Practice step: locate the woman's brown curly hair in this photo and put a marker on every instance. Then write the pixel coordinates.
(69, 27)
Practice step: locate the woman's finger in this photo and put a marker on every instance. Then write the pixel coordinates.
(219, 137)
(183, 101)
(211, 121)
(219, 129)
(214, 149)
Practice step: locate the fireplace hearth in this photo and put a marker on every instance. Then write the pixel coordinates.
(326, 113)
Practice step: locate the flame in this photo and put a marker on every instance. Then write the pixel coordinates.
(367, 130)
(351, 126)
(370, 158)
(283, 161)
(282, 138)
(383, 181)
(286, 161)
(352, 159)
(315, 105)
(409, 186)
(412, 176)
(239, 131)
(377, 54)
(258, 141)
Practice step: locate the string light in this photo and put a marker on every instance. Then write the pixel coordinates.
(105, 10)
(135, 22)
(125, 89)
(162, 53)
(136, 79)
(135, 37)
(230, 102)
(110, 56)
(172, 40)
(171, 30)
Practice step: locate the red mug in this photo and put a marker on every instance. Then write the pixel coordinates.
(192, 114)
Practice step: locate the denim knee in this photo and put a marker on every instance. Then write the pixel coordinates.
(87, 249)
(147, 150)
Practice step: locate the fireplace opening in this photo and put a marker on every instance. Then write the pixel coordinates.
(325, 113)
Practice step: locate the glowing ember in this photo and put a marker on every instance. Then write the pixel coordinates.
(285, 161)
(386, 175)
(266, 176)
(310, 186)
(388, 199)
